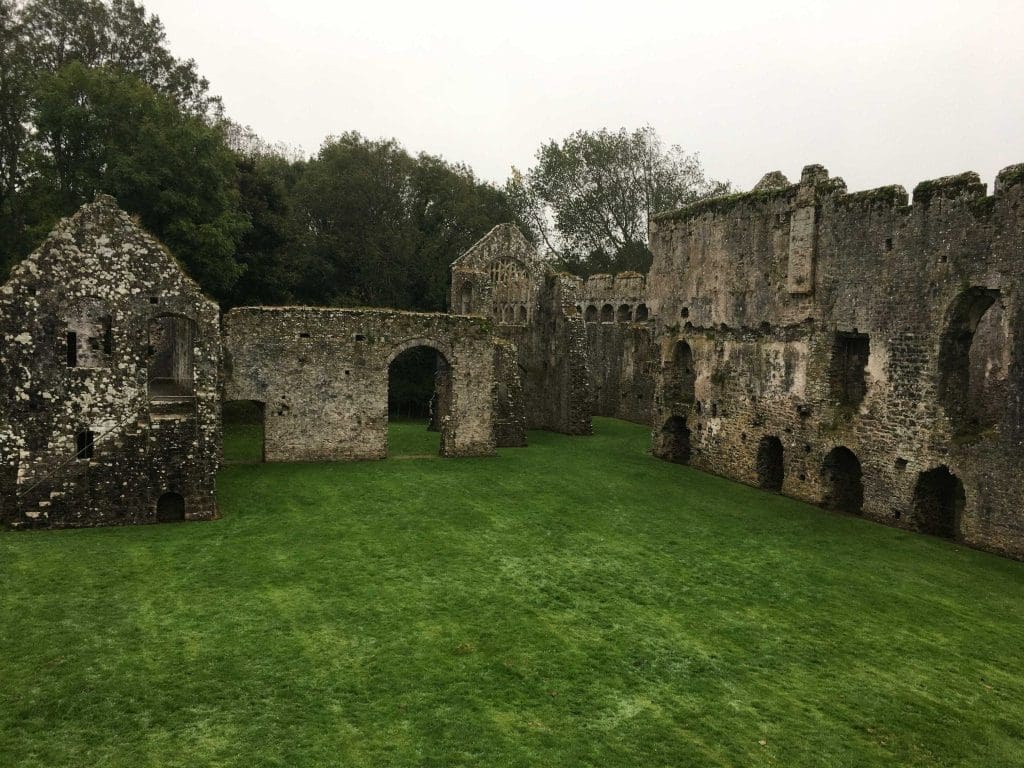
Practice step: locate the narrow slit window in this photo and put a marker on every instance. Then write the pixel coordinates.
(72, 338)
(84, 444)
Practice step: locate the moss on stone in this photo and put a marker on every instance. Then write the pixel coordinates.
(949, 187)
(891, 195)
(724, 204)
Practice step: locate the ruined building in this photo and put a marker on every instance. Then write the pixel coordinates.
(849, 349)
(109, 369)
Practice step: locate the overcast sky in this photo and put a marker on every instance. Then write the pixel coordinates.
(878, 92)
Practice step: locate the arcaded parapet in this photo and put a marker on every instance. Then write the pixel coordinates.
(621, 353)
(111, 408)
(322, 375)
(851, 349)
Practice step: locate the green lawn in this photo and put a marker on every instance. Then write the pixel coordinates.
(575, 603)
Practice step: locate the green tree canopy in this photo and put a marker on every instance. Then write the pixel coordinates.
(101, 129)
(588, 199)
(381, 227)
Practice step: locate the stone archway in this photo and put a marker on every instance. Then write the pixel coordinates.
(419, 398)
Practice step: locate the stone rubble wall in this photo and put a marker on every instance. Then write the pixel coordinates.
(322, 375)
(767, 287)
(75, 317)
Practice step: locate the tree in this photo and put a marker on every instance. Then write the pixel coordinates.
(14, 98)
(39, 41)
(100, 129)
(380, 227)
(589, 198)
(120, 35)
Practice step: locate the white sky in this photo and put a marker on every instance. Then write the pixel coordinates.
(878, 92)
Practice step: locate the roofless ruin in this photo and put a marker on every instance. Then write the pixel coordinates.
(852, 350)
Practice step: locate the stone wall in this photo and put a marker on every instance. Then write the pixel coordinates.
(868, 347)
(322, 375)
(534, 309)
(622, 357)
(90, 432)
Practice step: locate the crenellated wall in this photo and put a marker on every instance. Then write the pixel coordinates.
(860, 332)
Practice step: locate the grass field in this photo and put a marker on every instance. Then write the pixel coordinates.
(575, 603)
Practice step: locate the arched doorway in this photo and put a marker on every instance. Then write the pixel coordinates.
(939, 500)
(170, 507)
(244, 424)
(770, 465)
(673, 442)
(419, 397)
(843, 481)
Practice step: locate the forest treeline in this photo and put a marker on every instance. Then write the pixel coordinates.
(92, 100)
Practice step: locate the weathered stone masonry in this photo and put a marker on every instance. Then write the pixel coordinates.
(111, 405)
(322, 375)
(850, 349)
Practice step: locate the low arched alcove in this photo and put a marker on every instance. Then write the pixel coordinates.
(843, 481)
(170, 507)
(939, 501)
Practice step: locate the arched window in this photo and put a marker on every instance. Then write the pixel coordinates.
(522, 313)
(590, 316)
(641, 313)
(90, 339)
(680, 375)
(171, 365)
(466, 298)
(973, 361)
(607, 313)
(625, 313)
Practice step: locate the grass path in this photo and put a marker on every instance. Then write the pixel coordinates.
(575, 603)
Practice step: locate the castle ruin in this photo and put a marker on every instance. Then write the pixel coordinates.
(854, 350)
